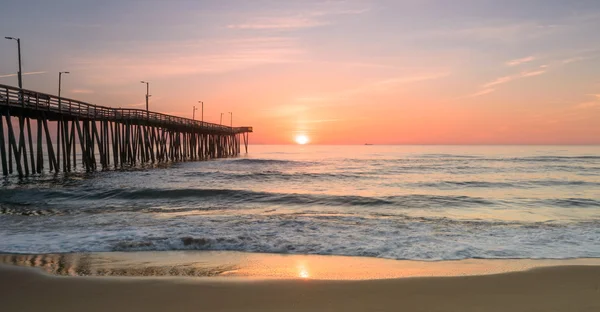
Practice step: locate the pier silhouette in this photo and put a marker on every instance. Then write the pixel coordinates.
(101, 135)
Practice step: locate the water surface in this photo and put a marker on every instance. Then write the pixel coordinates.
(397, 202)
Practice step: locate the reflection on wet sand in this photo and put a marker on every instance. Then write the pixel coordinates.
(266, 266)
(99, 265)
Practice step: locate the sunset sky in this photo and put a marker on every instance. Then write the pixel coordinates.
(340, 72)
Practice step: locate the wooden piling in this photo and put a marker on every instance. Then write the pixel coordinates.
(2, 146)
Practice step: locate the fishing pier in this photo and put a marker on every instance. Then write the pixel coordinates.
(90, 135)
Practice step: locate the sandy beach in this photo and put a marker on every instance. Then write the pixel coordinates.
(556, 288)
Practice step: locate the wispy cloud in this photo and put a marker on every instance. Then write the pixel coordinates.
(480, 93)
(321, 120)
(278, 20)
(279, 23)
(82, 91)
(167, 59)
(573, 60)
(532, 73)
(506, 79)
(493, 31)
(492, 85)
(377, 86)
(498, 81)
(390, 83)
(24, 74)
(520, 61)
(135, 105)
(586, 105)
(589, 104)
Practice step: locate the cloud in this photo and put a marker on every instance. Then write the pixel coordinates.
(391, 83)
(573, 60)
(168, 59)
(493, 32)
(375, 86)
(409, 79)
(532, 73)
(589, 104)
(506, 79)
(520, 61)
(586, 105)
(480, 93)
(498, 81)
(135, 105)
(277, 20)
(279, 23)
(24, 74)
(487, 88)
(82, 91)
(321, 120)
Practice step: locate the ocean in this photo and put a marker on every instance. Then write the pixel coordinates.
(395, 202)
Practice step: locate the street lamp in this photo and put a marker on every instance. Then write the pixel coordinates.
(194, 113)
(221, 121)
(202, 110)
(231, 115)
(59, 81)
(19, 49)
(147, 92)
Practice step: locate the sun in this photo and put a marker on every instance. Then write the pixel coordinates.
(302, 139)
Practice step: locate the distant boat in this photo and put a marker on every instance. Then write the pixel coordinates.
(368, 144)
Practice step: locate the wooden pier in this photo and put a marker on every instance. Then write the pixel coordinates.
(90, 135)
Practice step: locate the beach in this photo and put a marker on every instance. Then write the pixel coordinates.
(563, 288)
(234, 281)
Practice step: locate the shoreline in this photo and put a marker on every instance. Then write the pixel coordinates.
(233, 265)
(563, 288)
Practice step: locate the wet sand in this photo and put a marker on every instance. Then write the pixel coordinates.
(558, 288)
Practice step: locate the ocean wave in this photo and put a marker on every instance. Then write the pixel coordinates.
(458, 156)
(509, 184)
(383, 243)
(55, 197)
(29, 211)
(384, 235)
(570, 202)
(233, 196)
(279, 175)
(466, 184)
(251, 161)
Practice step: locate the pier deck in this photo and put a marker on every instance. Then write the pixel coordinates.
(98, 133)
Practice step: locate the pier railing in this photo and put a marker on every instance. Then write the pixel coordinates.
(33, 100)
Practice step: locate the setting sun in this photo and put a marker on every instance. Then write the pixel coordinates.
(302, 139)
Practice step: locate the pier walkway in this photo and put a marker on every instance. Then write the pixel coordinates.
(100, 135)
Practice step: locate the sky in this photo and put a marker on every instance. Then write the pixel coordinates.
(339, 72)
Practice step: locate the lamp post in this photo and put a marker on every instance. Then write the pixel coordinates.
(60, 81)
(194, 113)
(221, 120)
(147, 92)
(202, 111)
(231, 116)
(19, 50)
